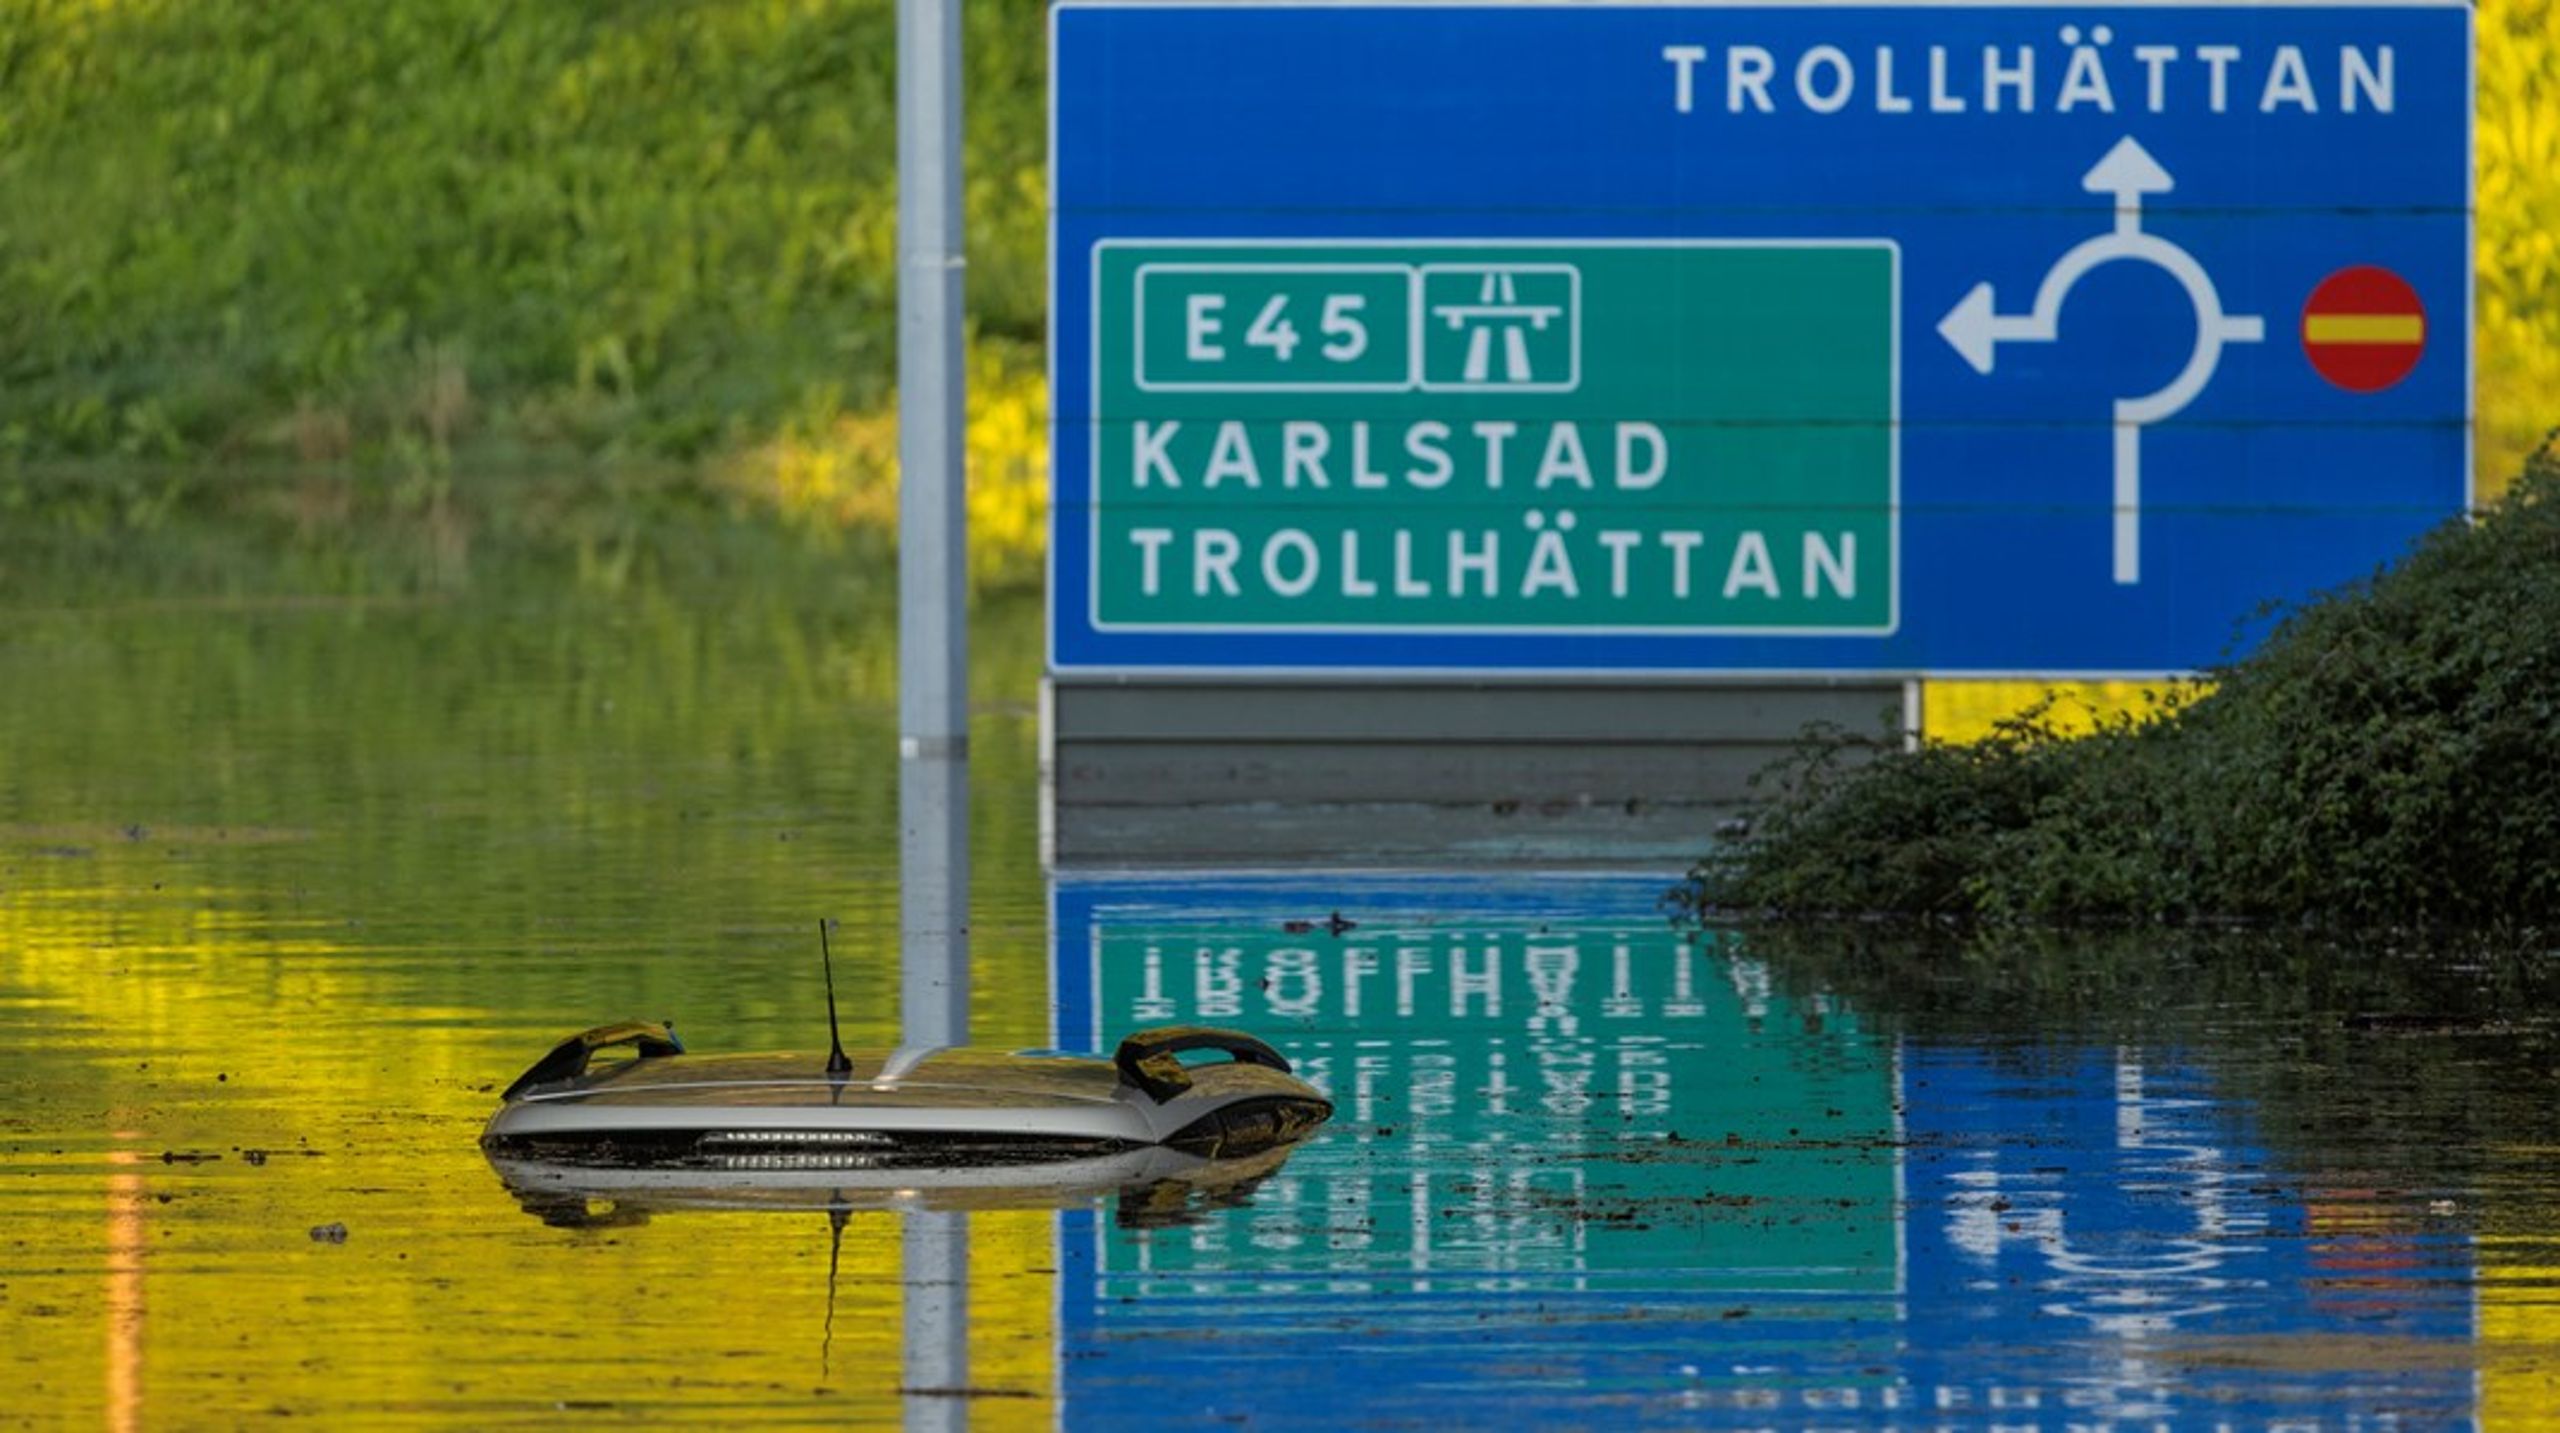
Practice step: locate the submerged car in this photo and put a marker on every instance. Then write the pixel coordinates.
(654, 1104)
(1150, 1187)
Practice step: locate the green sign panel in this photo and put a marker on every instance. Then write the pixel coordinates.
(1596, 437)
(1578, 1105)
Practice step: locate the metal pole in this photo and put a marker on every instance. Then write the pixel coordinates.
(933, 567)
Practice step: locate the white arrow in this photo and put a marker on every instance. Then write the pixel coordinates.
(1974, 329)
(2128, 172)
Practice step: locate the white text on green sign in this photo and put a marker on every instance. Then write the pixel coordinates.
(1496, 436)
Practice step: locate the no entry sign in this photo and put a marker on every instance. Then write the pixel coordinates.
(2364, 328)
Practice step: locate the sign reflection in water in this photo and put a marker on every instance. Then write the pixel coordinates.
(2096, 1235)
(1584, 1167)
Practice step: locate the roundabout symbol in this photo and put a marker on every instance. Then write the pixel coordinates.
(1975, 329)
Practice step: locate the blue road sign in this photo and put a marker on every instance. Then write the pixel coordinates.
(1927, 339)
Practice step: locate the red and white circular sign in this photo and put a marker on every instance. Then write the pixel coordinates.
(2363, 328)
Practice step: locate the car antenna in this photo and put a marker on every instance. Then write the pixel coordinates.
(837, 1063)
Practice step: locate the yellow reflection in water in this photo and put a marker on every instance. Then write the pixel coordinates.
(126, 1248)
(220, 1082)
(2519, 1310)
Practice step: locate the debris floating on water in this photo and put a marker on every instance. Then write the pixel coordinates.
(1335, 924)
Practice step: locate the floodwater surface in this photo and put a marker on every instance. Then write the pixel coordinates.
(290, 889)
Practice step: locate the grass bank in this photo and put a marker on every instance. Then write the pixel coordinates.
(427, 236)
(238, 227)
(2384, 759)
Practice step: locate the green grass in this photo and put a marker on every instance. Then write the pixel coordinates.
(658, 228)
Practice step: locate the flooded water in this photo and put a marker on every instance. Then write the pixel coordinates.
(290, 888)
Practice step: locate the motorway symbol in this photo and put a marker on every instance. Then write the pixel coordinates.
(2363, 329)
(1975, 328)
(1525, 309)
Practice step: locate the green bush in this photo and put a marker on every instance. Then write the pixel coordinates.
(2390, 756)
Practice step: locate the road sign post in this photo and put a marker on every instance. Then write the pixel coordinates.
(933, 549)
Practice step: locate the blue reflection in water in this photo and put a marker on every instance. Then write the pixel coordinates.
(2094, 1234)
(1587, 1171)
